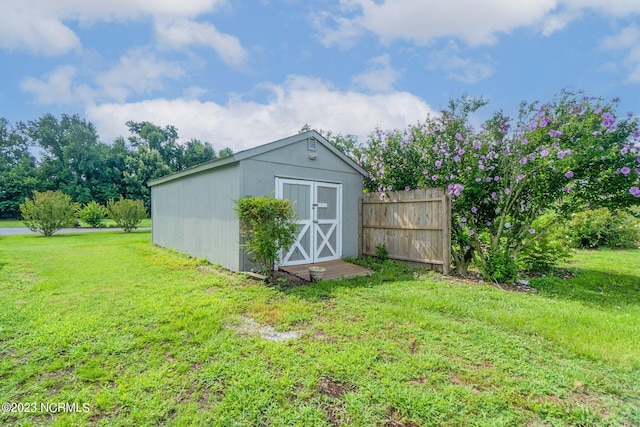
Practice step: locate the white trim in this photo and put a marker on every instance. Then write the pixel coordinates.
(319, 240)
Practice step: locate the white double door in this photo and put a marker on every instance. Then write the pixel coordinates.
(319, 209)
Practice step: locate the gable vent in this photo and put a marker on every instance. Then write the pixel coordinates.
(311, 144)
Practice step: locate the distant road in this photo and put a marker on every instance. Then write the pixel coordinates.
(13, 231)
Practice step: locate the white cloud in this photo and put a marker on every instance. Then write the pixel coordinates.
(458, 68)
(472, 21)
(39, 25)
(138, 72)
(241, 124)
(28, 30)
(421, 21)
(58, 88)
(178, 34)
(380, 75)
(627, 40)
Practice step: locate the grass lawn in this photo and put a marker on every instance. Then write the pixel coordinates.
(141, 335)
(15, 223)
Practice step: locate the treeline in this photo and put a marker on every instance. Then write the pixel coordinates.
(66, 154)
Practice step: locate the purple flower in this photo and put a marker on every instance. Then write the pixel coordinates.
(496, 178)
(624, 150)
(438, 164)
(478, 179)
(523, 161)
(458, 137)
(435, 178)
(507, 191)
(544, 153)
(466, 248)
(456, 159)
(625, 171)
(425, 172)
(488, 179)
(597, 133)
(532, 231)
(520, 177)
(494, 196)
(461, 151)
(463, 219)
(569, 174)
(407, 188)
(382, 196)
(471, 232)
(474, 209)
(568, 190)
(554, 133)
(525, 141)
(635, 191)
(389, 187)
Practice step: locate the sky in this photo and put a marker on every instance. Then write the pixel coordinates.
(243, 73)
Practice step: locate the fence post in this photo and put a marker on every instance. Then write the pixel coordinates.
(360, 227)
(446, 233)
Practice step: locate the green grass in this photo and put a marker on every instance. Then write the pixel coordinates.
(15, 223)
(146, 336)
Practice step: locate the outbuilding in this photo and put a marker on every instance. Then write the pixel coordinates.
(193, 210)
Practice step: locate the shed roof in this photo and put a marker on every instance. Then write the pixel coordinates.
(261, 149)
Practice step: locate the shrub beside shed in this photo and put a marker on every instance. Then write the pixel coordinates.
(193, 210)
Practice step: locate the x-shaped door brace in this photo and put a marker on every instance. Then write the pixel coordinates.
(298, 245)
(325, 239)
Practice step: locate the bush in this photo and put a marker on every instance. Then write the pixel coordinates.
(126, 213)
(93, 214)
(48, 212)
(603, 228)
(270, 227)
(548, 250)
(500, 266)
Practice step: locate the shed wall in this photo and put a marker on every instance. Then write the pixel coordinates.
(195, 214)
(258, 175)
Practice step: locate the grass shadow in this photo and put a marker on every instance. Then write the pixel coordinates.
(592, 287)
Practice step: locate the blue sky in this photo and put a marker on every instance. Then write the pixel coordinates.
(240, 74)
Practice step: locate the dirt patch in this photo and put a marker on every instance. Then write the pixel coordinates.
(249, 327)
(334, 389)
(335, 413)
(397, 420)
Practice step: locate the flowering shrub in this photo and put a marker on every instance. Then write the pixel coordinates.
(560, 156)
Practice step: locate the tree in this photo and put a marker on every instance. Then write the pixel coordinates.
(562, 156)
(269, 225)
(126, 213)
(196, 152)
(48, 212)
(18, 171)
(161, 139)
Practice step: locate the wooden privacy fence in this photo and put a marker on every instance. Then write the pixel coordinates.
(413, 225)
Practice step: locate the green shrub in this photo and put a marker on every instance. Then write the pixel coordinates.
(500, 266)
(547, 250)
(603, 228)
(48, 212)
(270, 227)
(93, 214)
(126, 213)
(382, 253)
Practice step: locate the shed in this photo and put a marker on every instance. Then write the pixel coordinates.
(193, 210)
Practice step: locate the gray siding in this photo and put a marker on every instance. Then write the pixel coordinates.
(258, 175)
(193, 210)
(195, 215)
